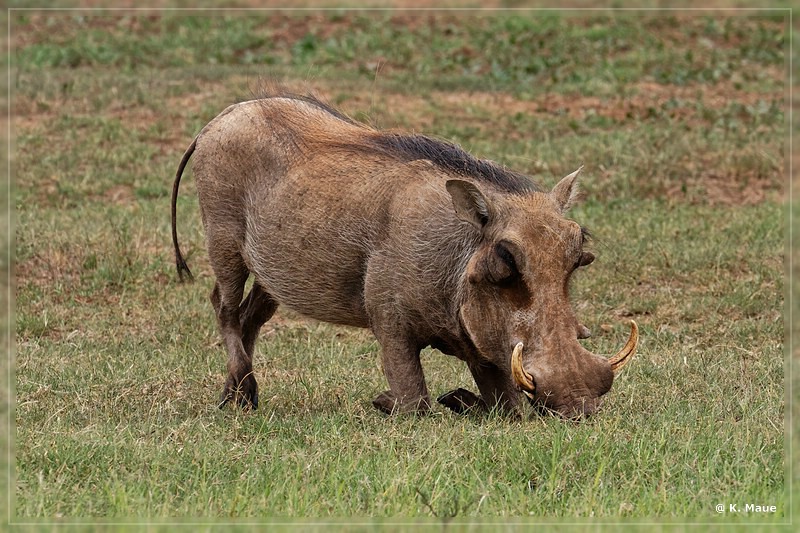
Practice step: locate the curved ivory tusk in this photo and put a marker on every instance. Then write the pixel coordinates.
(523, 380)
(627, 352)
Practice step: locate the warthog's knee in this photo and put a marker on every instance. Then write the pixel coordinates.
(391, 404)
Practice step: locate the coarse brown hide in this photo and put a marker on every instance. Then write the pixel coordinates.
(406, 235)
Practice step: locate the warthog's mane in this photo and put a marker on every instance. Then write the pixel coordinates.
(452, 158)
(410, 147)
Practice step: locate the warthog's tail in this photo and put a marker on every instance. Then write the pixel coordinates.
(180, 263)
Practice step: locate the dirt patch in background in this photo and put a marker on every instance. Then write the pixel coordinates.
(642, 100)
(726, 189)
(483, 111)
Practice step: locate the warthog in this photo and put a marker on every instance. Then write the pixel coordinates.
(403, 234)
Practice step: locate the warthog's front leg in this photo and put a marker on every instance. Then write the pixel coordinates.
(497, 390)
(461, 400)
(496, 387)
(407, 390)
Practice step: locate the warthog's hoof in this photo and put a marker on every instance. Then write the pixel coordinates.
(461, 400)
(391, 404)
(244, 392)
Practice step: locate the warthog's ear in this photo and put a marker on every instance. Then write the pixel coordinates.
(470, 203)
(566, 191)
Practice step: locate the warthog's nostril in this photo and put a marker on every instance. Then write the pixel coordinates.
(584, 408)
(571, 407)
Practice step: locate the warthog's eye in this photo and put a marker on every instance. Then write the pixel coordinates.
(505, 255)
(501, 266)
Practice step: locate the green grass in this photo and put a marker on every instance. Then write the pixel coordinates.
(118, 367)
(522, 52)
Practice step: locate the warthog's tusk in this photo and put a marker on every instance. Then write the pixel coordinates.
(523, 380)
(627, 352)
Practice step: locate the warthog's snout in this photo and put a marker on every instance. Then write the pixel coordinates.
(541, 385)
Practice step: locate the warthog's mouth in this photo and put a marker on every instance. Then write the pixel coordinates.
(525, 381)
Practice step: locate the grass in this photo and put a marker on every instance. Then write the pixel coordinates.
(681, 126)
(465, 49)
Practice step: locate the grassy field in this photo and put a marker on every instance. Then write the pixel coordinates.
(681, 122)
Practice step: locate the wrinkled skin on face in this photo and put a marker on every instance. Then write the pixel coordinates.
(517, 291)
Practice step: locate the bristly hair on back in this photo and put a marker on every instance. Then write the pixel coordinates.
(452, 158)
(272, 89)
(410, 147)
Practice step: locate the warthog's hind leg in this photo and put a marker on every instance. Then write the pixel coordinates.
(254, 312)
(240, 385)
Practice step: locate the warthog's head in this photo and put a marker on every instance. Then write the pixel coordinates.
(516, 306)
